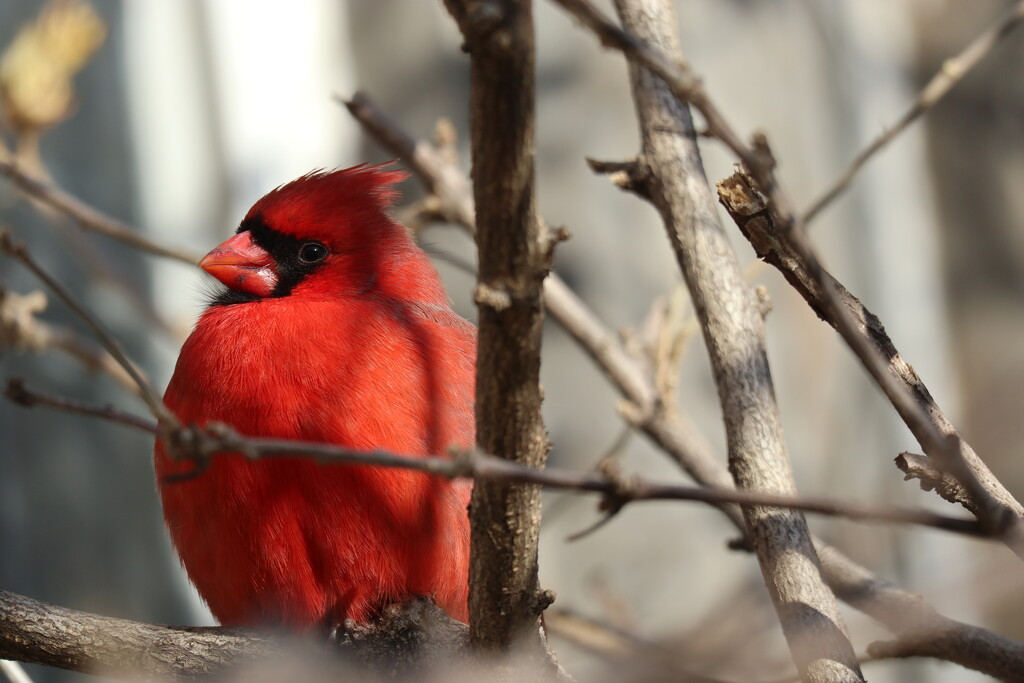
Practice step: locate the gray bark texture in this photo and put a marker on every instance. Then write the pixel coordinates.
(670, 173)
(505, 600)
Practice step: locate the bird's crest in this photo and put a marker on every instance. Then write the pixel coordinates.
(360, 195)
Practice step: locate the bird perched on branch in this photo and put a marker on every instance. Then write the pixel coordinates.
(334, 328)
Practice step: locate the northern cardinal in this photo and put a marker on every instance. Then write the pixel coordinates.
(334, 328)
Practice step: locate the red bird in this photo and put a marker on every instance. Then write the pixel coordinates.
(334, 328)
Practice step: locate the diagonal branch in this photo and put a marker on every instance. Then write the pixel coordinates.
(19, 252)
(20, 329)
(89, 218)
(750, 212)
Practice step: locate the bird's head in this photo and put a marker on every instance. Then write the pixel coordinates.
(324, 232)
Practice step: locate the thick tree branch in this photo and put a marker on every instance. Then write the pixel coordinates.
(898, 610)
(515, 252)
(669, 173)
(408, 637)
(38, 633)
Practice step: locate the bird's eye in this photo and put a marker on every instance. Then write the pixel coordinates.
(311, 252)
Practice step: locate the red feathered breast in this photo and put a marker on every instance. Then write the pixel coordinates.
(291, 542)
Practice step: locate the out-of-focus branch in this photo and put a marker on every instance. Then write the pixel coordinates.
(669, 173)
(38, 633)
(957, 642)
(951, 73)
(432, 164)
(995, 510)
(921, 630)
(89, 218)
(515, 252)
(18, 393)
(20, 252)
(406, 636)
(20, 329)
(681, 441)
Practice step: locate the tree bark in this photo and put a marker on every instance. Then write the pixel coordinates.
(670, 173)
(505, 600)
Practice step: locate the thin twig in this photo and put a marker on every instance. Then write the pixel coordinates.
(21, 253)
(20, 329)
(441, 179)
(952, 72)
(217, 439)
(89, 218)
(17, 392)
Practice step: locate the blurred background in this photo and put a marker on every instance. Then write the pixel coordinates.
(184, 113)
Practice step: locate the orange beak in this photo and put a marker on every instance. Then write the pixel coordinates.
(242, 265)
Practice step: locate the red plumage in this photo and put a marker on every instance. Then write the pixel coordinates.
(353, 344)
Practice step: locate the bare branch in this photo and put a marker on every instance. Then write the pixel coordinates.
(17, 392)
(20, 329)
(515, 251)
(951, 73)
(749, 210)
(963, 644)
(616, 490)
(442, 179)
(407, 636)
(21, 253)
(669, 173)
(89, 218)
(914, 620)
(930, 478)
(38, 633)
